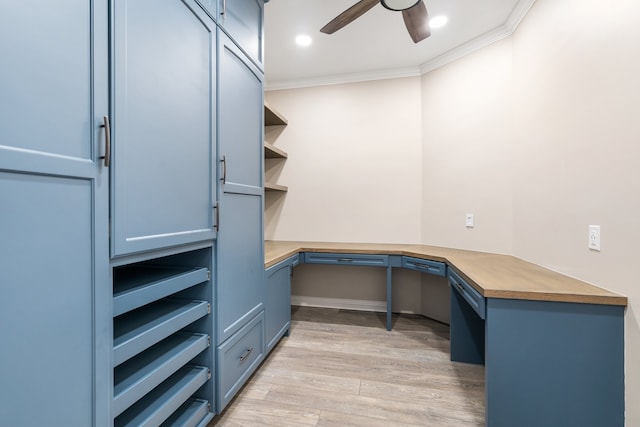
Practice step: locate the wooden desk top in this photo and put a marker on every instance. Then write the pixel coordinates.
(494, 276)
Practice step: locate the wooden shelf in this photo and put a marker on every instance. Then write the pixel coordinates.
(272, 152)
(275, 187)
(272, 117)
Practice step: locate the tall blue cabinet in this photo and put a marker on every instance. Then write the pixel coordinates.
(112, 304)
(240, 247)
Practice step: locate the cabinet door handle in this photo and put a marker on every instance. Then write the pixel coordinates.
(224, 8)
(216, 226)
(345, 260)
(107, 141)
(246, 354)
(223, 178)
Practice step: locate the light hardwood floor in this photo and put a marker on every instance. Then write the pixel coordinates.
(343, 368)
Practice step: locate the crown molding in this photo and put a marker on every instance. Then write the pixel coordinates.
(516, 16)
(395, 73)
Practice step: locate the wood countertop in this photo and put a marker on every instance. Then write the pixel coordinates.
(494, 276)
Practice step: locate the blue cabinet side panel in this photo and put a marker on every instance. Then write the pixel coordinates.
(554, 364)
(277, 304)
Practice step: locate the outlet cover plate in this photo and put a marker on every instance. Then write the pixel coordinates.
(594, 237)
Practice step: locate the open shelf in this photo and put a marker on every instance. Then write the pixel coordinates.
(138, 285)
(138, 330)
(268, 186)
(141, 374)
(193, 413)
(164, 400)
(272, 117)
(272, 152)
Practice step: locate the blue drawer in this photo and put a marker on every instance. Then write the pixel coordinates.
(473, 297)
(295, 260)
(238, 357)
(346, 259)
(425, 266)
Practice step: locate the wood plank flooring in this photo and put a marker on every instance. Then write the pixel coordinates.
(343, 368)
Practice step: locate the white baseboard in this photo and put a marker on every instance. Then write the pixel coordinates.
(339, 303)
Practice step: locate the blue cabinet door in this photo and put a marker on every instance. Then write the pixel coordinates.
(54, 275)
(243, 21)
(163, 190)
(240, 262)
(240, 120)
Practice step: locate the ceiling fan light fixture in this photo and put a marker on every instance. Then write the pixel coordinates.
(399, 5)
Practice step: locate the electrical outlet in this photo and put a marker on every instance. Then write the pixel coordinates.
(594, 237)
(469, 220)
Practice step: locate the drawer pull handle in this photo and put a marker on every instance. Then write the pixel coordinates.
(345, 260)
(460, 287)
(424, 267)
(246, 354)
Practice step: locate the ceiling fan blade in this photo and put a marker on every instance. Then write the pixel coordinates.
(348, 16)
(416, 19)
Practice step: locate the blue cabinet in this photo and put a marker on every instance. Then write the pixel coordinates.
(240, 241)
(242, 20)
(240, 118)
(240, 259)
(164, 89)
(277, 302)
(54, 280)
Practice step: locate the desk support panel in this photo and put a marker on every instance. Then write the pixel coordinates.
(466, 331)
(554, 364)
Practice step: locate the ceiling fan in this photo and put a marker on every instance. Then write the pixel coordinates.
(415, 15)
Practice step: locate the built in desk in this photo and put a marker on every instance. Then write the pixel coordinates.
(552, 346)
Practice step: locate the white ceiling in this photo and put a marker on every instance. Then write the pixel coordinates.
(377, 44)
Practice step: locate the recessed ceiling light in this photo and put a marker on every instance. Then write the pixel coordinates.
(438, 21)
(303, 40)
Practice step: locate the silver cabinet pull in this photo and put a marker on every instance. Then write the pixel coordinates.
(216, 226)
(223, 178)
(224, 8)
(246, 354)
(345, 260)
(107, 141)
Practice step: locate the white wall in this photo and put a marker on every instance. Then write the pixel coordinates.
(467, 150)
(354, 168)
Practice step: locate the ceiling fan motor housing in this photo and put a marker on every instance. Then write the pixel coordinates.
(399, 5)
